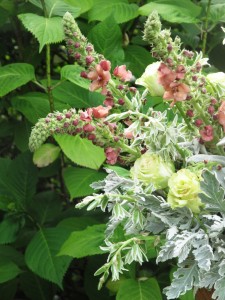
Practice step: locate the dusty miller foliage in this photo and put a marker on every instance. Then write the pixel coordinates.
(196, 241)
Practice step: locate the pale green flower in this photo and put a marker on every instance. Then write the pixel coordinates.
(152, 169)
(149, 79)
(184, 189)
(217, 80)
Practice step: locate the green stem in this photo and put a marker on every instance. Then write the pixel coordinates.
(205, 33)
(39, 85)
(119, 94)
(48, 74)
(128, 149)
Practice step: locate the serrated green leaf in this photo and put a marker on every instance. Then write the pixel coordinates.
(36, 288)
(81, 151)
(14, 75)
(136, 290)
(138, 59)
(8, 252)
(46, 30)
(22, 130)
(72, 73)
(76, 96)
(9, 229)
(41, 256)
(175, 11)
(111, 46)
(57, 7)
(213, 194)
(78, 181)
(121, 10)
(8, 270)
(34, 105)
(8, 289)
(84, 243)
(45, 155)
(119, 170)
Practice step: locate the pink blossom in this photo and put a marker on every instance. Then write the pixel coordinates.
(165, 76)
(122, 73)
(111, 155)
(100, 112)
(180, 72)
(176, 92)
(109, 102)
(128, 134)
(86, 115)
(100, 76)
(207, 133)
(221, 115)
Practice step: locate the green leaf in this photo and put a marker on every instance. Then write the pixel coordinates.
(19, 182)
(46, 30)
(8, 252)
(78, 181)
(136, 290)
(36, 288)
(77, 223)
(21, 135)
(76, 96)
(14, 75)
(8, 270)
(84, 243)
(81, 151)
(84, 5)
(9, 229)
(41, 256)
(188, 296)
(175, 11)
(120, 171)
(138, 59)
(8, 289)
(57, 7)
(121, 10)
(72, 73)
(111, 46)
(45, 155)
(212, 194)
(34, 105)
(46, 206)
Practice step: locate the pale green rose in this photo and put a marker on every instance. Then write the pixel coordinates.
(149, 79)
(152, 169)
(217, 80)
(184, 189)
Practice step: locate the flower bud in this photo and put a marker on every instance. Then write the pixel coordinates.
(152, 169)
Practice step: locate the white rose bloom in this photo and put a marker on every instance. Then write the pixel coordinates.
(149, 79)
(217, 80)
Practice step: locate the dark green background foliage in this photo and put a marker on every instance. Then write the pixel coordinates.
(47, 248)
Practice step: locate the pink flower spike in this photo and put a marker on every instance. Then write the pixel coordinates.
(207, 133)
(111, 155)
(122, 73)
(100, 112)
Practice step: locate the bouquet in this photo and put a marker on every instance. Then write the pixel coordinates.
(164, 189)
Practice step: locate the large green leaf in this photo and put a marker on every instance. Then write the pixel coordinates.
(9, 229)
(76, 96)
(138, 59)
(120, 9)
(84, 5)
(78, 181)
(8, 270)
(57, 7)
(72, 73)
(18, 185)
(36, 288)
(84, 243)
(14, 75)
(41, 256)
(8, 289)
(77, 223)
(136, 290)
(9, 253)
(46, 206)
(45, 155)
(34, 105)
(107, 39)
(46, 30)
(175, 11)
(81, 151)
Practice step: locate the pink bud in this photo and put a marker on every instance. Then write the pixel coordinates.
(198, 122)
(68, 115)
(91, 137)
(77, 45)
(66, 125)
(169, 47)
(59, 118)
(213, 101)
(109, 102)
(121, 101)
(77, 56)
(211, 110)
(100, 112)
(89, 59)
(105, 64)
(190, 113)
(89, 48)
(83, 74)
(75, 122)
(195, 78)
(88, 128)
(132, 89)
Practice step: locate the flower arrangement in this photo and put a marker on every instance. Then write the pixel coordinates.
(169, 188)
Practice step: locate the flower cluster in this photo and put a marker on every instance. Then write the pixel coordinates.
(174, 183)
